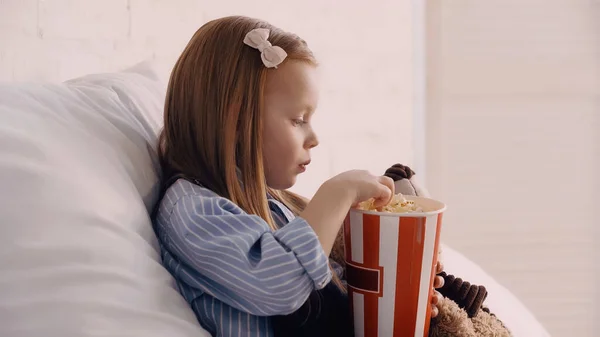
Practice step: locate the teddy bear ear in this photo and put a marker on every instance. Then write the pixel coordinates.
(405, 181)
(399, 172)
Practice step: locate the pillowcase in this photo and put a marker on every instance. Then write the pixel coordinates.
(78, 178)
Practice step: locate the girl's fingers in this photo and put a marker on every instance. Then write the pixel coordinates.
(388, 182)
(386, 193)
(438, 282)
(437, 298)
(434, 311)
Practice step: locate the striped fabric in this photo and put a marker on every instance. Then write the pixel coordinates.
(386, 259)
(230, 266)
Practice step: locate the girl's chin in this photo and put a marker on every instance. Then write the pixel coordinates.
(283, 183)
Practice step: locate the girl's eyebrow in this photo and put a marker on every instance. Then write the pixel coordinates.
(309, 108)
(305, 109)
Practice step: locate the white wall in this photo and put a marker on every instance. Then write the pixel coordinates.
(364, 119)
(513, 140)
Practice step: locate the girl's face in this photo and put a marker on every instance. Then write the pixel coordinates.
(291, 97)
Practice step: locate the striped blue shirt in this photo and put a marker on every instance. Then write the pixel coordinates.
(230, 266)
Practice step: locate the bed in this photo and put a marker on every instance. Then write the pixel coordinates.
(78, 179)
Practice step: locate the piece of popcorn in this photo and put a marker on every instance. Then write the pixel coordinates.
(398, 204)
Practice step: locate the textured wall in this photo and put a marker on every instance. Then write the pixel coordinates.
(513, 146)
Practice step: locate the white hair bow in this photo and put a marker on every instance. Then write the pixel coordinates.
(271, 55)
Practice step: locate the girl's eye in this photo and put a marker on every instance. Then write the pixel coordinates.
(299, 122)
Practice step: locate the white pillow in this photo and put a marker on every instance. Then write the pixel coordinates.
(78, 176)
(501, 302)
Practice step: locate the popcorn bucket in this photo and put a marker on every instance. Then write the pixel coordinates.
(390, 268)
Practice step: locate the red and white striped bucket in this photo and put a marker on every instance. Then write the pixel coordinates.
(390, 269)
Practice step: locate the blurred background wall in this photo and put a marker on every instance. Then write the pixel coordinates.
(513, 146)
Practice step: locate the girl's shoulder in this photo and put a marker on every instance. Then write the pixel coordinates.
(181, 189)
(184, 196)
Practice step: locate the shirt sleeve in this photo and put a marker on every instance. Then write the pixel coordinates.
(241, 261)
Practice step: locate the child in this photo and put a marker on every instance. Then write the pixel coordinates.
(237, 132)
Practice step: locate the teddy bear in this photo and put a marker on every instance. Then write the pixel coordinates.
(461, 312)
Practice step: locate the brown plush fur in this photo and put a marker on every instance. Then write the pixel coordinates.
(487, 324)
(337, 252)
(453, 321)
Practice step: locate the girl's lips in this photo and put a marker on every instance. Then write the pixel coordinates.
(302, 167)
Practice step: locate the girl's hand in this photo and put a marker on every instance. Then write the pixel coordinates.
(362, 185)
(326, 211)
(437, 298)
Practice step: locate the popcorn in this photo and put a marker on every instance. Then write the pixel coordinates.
(398, 204)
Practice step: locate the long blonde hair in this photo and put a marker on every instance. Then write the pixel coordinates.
(213, 115)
